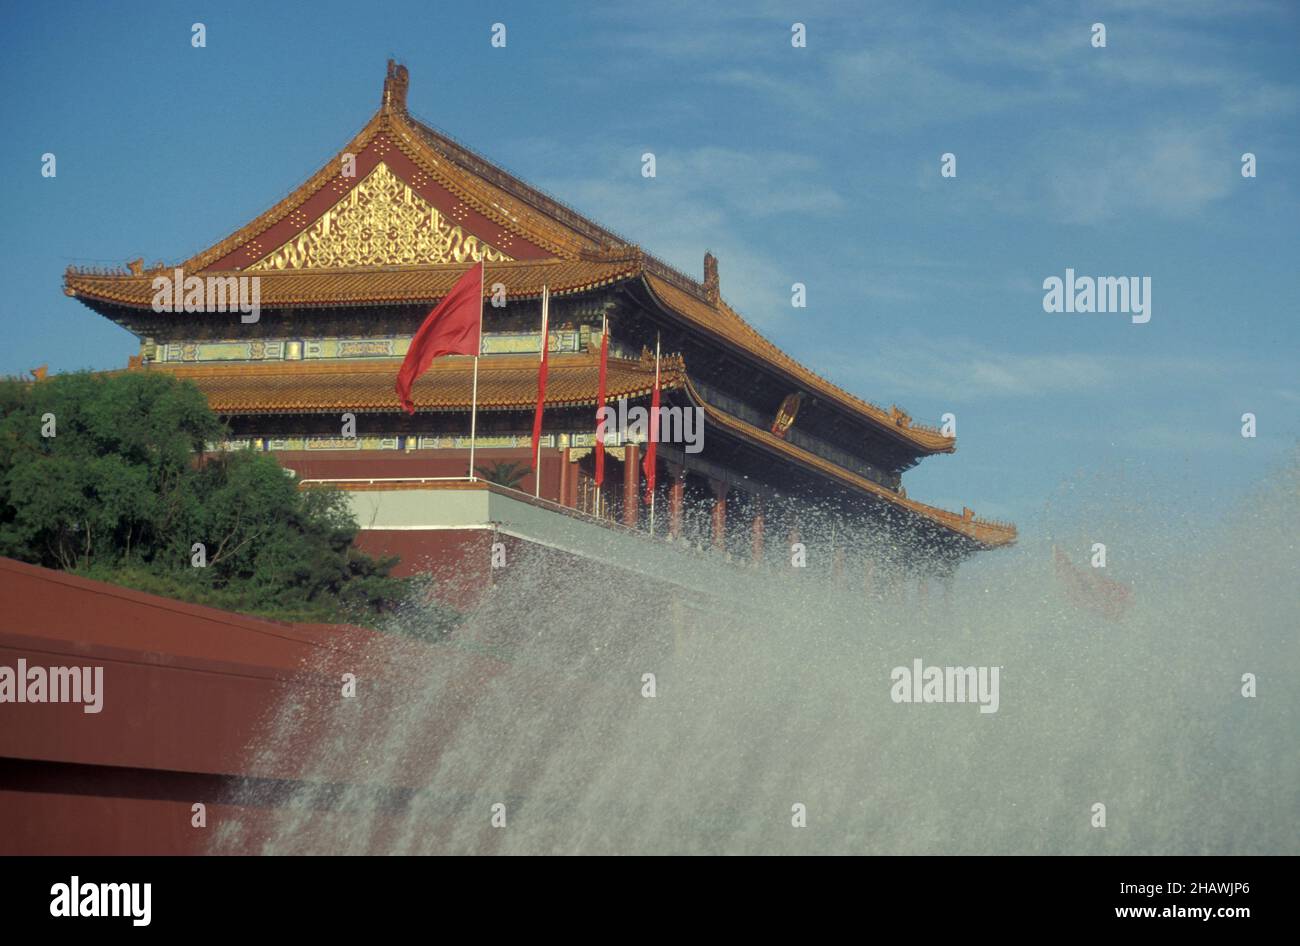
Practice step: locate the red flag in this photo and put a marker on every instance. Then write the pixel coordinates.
(649, 463)
(541, 376)
(453, 328)
(1105, 596)
(600, 403)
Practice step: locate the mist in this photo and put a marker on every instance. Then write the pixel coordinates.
(775, 695)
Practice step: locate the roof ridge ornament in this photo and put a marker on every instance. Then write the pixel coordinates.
(613, 253)
(712, 287)
(786, 414)
(395, 85)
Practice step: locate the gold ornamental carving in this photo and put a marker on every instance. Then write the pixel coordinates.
(380, 222)
(786, 414)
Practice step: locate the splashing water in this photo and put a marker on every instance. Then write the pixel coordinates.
(776, 693)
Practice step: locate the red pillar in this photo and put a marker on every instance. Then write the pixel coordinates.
(562, 497)
(756, 552)
(631, 479)
(569, 494)
(719, 514)
(676, 496)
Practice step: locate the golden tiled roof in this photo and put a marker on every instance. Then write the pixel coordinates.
(505, 381)
(724, 321)
(498, 204)
(585, 256)
(425, 285)
(408, 284)
(495, 203)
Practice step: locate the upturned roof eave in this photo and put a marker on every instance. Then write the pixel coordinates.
(985, 534)
(921, 441)
(507, 382)
(390, 285)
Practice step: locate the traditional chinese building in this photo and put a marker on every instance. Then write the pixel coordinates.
(348, 266)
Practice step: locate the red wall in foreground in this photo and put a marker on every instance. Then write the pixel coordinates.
(459, 560)
(187, 691)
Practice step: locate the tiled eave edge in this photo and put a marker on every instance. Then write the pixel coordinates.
(985, 533)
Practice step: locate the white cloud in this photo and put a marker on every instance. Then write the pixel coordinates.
(903, 367)
(701, 199)
(1174, 172)
(1179, 439)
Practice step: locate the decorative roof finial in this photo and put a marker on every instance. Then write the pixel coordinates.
(395, 84)
(711, 285)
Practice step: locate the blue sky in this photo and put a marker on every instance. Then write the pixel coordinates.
(816, 165)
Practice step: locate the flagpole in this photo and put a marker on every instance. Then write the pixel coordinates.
(473, 415)
(654, 430)
(546, 343)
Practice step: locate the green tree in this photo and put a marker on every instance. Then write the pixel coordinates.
(117, 474)
(504, 474)
(123, 490)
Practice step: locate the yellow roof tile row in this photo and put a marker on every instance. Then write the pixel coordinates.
(724, 321)
(395, 285)
(507, 381)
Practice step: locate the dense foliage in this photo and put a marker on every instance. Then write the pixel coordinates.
(105, 475)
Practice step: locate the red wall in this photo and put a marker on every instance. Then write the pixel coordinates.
(187, 690)
(364, 464)
(459, 560)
